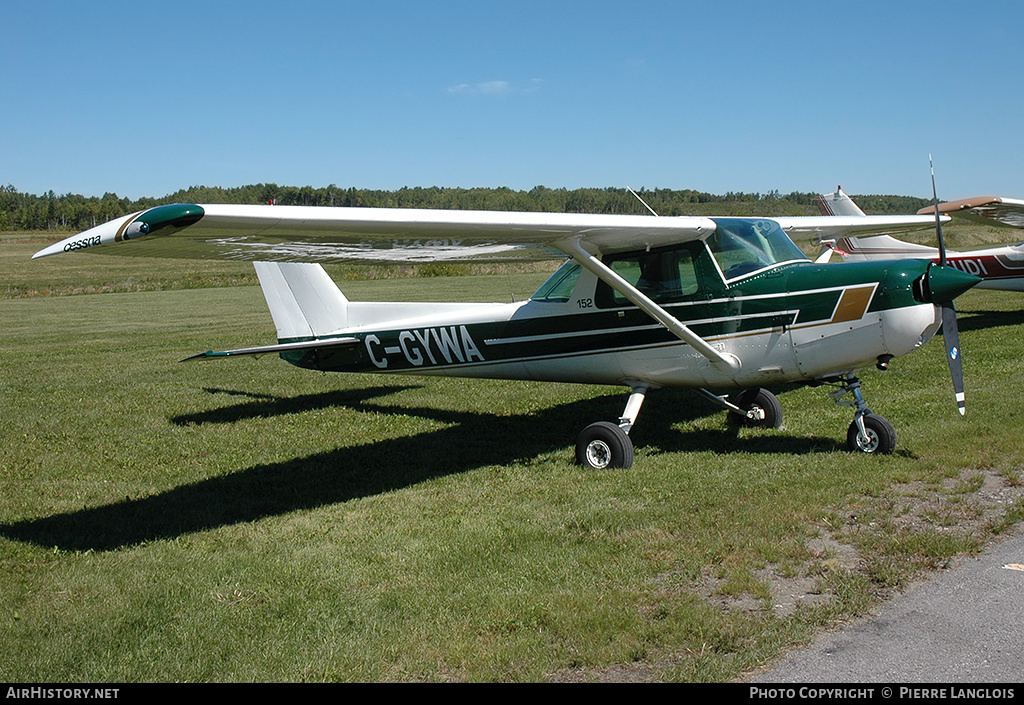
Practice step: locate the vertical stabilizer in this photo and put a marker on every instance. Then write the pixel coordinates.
(304, 301)
(837, 203)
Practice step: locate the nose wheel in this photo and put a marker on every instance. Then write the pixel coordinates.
(877, 435)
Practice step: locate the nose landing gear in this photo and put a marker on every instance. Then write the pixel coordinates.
(869, 432)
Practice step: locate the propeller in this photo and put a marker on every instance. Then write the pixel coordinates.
(950, 331)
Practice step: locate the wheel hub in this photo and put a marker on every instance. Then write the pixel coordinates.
(599, 454)
(868, 441)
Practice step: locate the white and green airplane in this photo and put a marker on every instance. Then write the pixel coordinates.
(724, 306)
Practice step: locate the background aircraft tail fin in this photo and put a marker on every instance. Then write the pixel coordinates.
(304, 301)
(837, 203)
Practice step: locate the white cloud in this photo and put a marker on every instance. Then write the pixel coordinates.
(495, 87)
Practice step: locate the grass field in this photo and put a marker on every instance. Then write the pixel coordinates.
(244, 520)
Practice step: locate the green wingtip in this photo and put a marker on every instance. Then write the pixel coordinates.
(174, 215)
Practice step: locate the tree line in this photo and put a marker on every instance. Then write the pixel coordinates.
(73, 212)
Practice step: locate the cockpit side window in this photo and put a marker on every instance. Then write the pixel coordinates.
(665, 276)
(559, 286)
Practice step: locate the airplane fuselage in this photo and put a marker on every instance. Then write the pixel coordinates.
(790, 323)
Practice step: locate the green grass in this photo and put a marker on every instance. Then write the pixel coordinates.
(244, 520)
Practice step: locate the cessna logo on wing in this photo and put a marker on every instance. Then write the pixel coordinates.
(83, 243)
(434, 346)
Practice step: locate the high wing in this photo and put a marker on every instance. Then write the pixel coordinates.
(987, 210)
(385, 235)
(818, 228)
(399, 235)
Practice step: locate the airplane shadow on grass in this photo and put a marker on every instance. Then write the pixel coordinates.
(472, 440)
(981, 320)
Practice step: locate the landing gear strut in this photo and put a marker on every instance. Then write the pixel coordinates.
(869, 432)
(754, 408)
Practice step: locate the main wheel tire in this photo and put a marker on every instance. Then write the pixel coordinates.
(604, 445)
(761, 399)
(881, 436)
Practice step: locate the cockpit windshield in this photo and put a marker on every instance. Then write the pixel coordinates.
(742, 246)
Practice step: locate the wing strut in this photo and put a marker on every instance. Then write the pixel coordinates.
(573, 248)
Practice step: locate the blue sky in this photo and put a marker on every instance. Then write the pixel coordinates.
(143, 99)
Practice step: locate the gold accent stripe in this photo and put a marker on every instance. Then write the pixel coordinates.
(853, 304)
(119, 237)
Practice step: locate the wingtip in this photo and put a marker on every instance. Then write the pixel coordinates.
(49, 250)
(199, 356)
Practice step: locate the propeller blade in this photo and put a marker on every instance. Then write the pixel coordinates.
(938, 222)
(951, 338)
(950, 331)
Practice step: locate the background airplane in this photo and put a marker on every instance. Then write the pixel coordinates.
(1000, 267)
(724, 304)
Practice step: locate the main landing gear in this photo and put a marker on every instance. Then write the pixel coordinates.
(607, 445)
(754, 408)
(604, 445)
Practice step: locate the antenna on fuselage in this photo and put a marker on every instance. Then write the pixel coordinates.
(642, 201)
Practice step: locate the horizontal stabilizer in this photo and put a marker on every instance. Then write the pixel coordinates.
(279, 348)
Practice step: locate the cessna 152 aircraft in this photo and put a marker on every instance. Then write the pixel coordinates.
(999, 267)
(646, 302)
